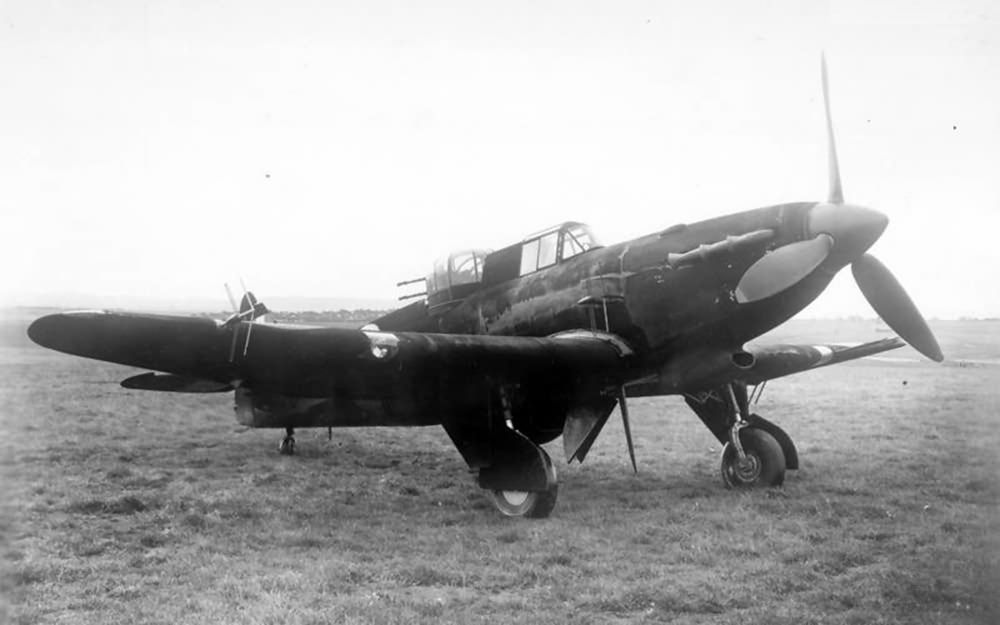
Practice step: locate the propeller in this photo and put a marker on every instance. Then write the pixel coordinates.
(232, 300)
(786, 266)
(887, 296)
(232, 320)
(250, 306)
(836, 195)
(842, 233)
(884, 293)
(249, 309)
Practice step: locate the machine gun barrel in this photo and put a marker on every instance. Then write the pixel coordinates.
(412, 295)
(413, 281)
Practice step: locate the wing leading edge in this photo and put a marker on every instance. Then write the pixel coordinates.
(776, 361)
(318, 361)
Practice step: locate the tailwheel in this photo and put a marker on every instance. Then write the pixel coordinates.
(287, 445)
(762, 464)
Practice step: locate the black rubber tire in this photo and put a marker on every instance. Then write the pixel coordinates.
(532, 505)
(764, 465)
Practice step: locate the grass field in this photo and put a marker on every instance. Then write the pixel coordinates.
(126, 506)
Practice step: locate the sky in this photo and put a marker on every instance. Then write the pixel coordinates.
(331, 149)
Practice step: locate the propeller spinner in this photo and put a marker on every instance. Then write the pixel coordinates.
(842, 233)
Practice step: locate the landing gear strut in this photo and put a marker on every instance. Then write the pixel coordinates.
(287, 445)
(755, 451)
(757, 461)
(517, 472)
(751, 457)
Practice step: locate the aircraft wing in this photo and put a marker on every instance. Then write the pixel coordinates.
(204, 355)
(775, 361)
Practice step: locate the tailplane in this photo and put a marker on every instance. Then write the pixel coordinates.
(251, 310)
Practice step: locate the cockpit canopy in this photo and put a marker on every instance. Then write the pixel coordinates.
(455, 276)
(460, 274)
(554, 245)
(538, 251)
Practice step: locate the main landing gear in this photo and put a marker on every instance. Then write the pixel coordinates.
(753, 458)
(516, 471)
(287, 445)
(536, 504)
(755, 452)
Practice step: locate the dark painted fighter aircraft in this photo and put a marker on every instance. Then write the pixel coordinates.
(513, 348)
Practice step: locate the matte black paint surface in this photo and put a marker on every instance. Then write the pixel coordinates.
(502, 352)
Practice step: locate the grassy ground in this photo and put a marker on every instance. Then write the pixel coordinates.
(124, 506)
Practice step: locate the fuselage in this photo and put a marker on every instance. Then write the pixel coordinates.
(670, 294)
(680, 303)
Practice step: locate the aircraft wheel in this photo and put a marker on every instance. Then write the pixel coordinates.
(287, 446)
(764, 464)
(533, 505)
(530, 504)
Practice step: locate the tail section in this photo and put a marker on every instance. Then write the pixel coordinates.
(253, 310)
(250, 310)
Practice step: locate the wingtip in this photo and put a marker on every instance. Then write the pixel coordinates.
(63, 331)
(43, 330)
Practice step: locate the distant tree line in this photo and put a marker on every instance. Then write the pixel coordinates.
(313, 316)
(326, 316)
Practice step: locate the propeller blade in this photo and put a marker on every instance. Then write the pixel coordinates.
(836, 191)
(249, 308)
(894, 306)
(233, 319)
(782, 268)
(246, 345)
(628, 428)
(232, 300)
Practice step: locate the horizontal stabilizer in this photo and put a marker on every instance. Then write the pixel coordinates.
(174, 384)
